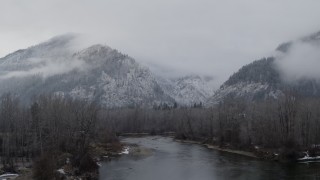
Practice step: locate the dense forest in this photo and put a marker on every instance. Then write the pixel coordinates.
(285, 127)
(53, 127)
(49, 132)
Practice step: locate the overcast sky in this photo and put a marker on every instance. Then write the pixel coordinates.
(213, 37)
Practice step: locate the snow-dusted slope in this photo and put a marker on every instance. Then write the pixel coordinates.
(97, 73)
(247, 90)
(119, 78)
(187, 90)
(263, 79)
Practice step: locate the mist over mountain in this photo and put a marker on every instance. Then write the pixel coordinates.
(300, 59)
(293, 68)
(101, 74)
(97, 73)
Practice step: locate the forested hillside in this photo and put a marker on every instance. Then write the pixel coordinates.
(267, 78)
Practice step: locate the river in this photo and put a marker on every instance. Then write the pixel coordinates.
(171, 160)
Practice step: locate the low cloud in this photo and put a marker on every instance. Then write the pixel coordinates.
(53, 57)
(302, 61)
(215, 37)
(47, 68)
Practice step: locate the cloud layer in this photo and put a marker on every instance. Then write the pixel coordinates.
(210, 37)
(302, 61)
(46, 68)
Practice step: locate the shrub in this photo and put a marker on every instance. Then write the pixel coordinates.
(87, 164)
(45, 167)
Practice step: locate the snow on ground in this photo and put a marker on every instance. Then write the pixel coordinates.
(8, 176)
(125, 150)
(61, 171)
(308, 158)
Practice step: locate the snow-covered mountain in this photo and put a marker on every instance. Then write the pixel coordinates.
(187, 90)
(97, 73)
(101, 74)
(272, 77)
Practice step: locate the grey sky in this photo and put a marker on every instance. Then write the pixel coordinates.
(213, 37)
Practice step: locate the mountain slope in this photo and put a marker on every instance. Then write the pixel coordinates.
(263, 79)
(258, 80)
(97, 73)
(187, 90)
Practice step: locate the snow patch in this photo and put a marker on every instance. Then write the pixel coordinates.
(125, 150)
(61, 171)
(308, 158)
(8, 175)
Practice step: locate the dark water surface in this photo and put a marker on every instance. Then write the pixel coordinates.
(172, 160)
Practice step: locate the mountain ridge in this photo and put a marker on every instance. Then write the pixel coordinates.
(96, 73)
(263, 79)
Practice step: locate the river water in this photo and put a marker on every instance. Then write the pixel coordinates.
(172, 160)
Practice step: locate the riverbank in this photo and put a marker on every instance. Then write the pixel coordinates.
(175, 160)
(165, 134)
(62, 166)
(22, 169)
(139, 151)
(214, 147)
(209, 146)
(279, 155)
(284, 155)
(98, 153)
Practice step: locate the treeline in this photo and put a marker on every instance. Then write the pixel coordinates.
(53, 125)
(290, 123)
(49, 127)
